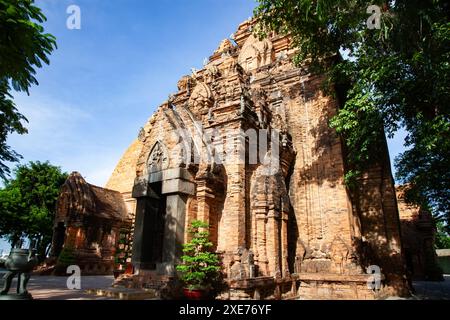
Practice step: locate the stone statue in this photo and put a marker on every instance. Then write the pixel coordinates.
(210, 113)
(242, 106)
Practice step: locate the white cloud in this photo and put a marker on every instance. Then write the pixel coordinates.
(51, 124)
(64, 135)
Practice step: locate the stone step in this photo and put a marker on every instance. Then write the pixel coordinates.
(126, 294)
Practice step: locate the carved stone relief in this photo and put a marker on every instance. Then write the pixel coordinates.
(158, 159)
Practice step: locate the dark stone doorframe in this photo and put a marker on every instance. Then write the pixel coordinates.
(149, 228)
(59, 237)
(168, 191)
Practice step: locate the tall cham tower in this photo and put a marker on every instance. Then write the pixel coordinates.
(245, 146)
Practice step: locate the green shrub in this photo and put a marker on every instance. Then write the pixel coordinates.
(67, 257)
(201, 267)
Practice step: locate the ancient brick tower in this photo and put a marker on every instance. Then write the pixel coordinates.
(292, 231)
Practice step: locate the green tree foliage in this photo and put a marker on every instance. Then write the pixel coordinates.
(28, 204)
(201, 267)
(23, 47)
(442, 237)
(393, 77)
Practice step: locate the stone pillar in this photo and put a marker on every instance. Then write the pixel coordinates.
(176, 186)
(204, 197)
(138, 234)
(232, 233)
(205, 203)
(173, 233)
(284, 244)
(273, 243)
(260, 235)
(233, 227)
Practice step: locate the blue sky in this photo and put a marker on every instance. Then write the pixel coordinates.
(105, 80)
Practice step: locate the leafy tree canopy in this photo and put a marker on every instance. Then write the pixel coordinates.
(442, 237)
(23, 47)
(28, 203)
(394, 77)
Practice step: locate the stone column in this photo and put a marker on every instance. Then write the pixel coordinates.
(284, 244)
(273, 243)
(232, 232)
(173, 233)
(138, 232)
(204, 197)
(176, 185)
(233, 217)
(205, 203)
(260, 235)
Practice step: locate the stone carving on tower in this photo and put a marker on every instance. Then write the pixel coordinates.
(201, 99)
(158, 159)
(255, 54)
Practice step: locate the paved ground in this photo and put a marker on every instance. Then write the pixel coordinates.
(432, 290)
(55, 288)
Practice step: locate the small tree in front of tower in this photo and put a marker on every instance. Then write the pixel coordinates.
(200, 270)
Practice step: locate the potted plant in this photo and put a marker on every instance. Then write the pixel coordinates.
(200, 270)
